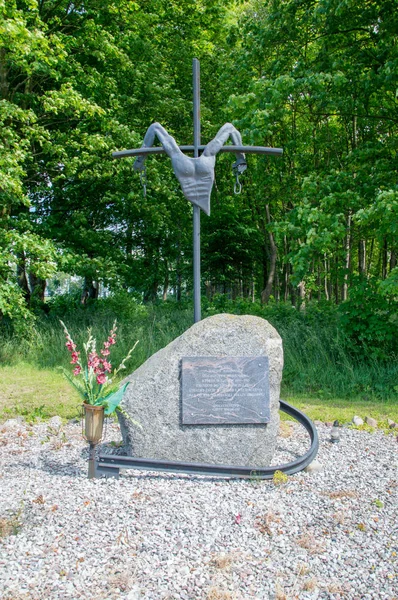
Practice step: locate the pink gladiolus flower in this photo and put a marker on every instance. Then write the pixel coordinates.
(93, 367)
(75, 358)
(93, 360)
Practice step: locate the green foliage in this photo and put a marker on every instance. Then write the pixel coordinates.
(319, 357)
(77, 82)
(80, 80)
(371, 321)
(389, 287)
(320, 80)
(13, 305)
(31, 415)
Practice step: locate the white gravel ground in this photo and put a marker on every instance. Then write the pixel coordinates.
(332, 534)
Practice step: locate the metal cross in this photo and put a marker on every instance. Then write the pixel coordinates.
(196, 175)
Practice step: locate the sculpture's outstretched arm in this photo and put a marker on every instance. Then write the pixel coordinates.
(227, 131)
(168, 142)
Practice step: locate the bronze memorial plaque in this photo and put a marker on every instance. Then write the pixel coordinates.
(225, 391)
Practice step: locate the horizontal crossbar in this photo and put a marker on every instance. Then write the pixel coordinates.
(234, 149)
(108, 465)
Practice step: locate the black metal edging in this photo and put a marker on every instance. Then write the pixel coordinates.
(108, 465)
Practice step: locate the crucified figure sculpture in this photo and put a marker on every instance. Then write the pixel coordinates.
(196, 175)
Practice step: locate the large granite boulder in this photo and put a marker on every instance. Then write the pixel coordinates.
(153, 397)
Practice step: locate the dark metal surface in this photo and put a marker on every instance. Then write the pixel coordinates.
(196, 210)
(196, 105)
(225, 390)
(91, 462)
(108, 465)
(234, 149)
(197, 311)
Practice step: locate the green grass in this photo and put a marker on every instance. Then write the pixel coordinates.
(33, 393)
(322, 374)
(336, 408)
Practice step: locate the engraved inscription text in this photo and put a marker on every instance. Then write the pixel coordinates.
(230, 390)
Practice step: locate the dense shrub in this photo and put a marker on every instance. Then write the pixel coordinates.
(370, 320)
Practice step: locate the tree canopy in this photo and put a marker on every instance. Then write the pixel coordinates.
(316, 77)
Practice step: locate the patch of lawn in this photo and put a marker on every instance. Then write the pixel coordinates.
(332, 409)
(33, 393)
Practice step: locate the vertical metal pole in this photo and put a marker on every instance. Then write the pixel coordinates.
(196, 209)
(91, 461)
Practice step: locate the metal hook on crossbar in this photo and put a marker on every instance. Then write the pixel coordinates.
(237, 184)
(143, 180)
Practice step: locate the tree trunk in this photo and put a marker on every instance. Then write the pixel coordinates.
(38, 287)
(286, 269)
(3, 75)
(362, 257)
(266, 293)
(384, 260)
(347, 265)
(370, 259)
(336, 281)
(90, 290)
(165, 288)
(22, 278)
(166, 283)
(393, 260)
(319, 281)
(286, 282)
(264, 259)
(301, 288)
(326, 283)
(293, 294)
(277, 286)
(179, 278)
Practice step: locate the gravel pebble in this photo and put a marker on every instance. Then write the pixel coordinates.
(326, 534)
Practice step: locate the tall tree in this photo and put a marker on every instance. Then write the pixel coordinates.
(321, 79)
(76, 80)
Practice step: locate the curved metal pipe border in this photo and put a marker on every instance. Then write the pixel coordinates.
(108, 465)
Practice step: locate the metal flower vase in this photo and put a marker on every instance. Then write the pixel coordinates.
(93, 429)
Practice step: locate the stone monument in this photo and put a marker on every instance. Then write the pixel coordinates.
(210, 396)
